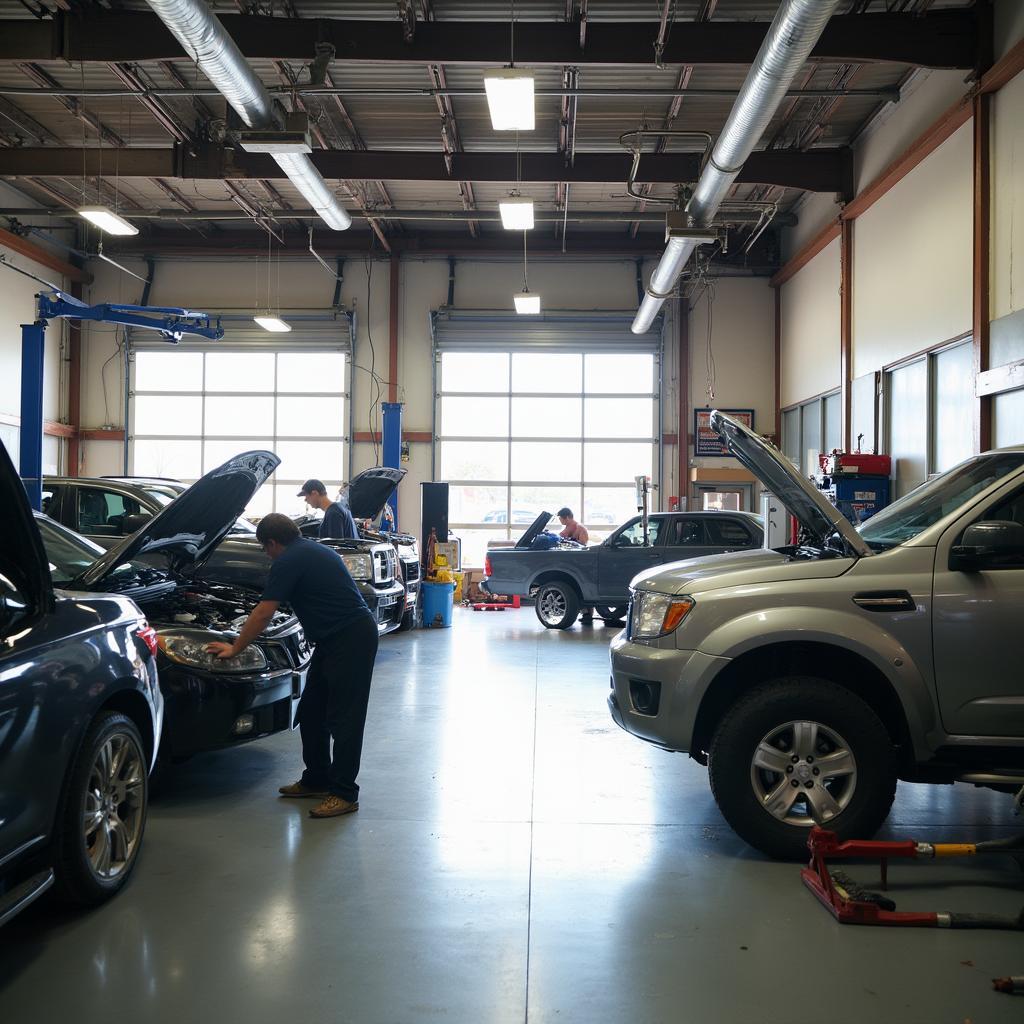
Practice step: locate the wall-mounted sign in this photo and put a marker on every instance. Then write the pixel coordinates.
(706, 443)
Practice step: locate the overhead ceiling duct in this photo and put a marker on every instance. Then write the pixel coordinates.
(791, 36)
(208, 44)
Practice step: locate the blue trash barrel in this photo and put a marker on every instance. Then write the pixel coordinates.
(437, 600)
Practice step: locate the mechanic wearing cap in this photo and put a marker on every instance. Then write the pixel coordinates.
(337, 522)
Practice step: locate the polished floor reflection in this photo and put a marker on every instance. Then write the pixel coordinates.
(515, 858)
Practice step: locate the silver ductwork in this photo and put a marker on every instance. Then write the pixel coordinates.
(206, 42)
(791, 36)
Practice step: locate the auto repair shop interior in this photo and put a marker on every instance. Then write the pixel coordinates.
(669, 358)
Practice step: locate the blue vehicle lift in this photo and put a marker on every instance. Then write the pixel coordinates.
(391, 445)
(169, 322)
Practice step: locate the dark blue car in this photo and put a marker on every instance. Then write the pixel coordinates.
(80, 719)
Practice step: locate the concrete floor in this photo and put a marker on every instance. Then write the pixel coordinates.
(516, 858)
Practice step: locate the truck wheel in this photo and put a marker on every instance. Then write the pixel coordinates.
(798, 751)
(613, 614)
(104, 812)
(557, 605)
(408, 620)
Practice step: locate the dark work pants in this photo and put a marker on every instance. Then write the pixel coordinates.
(333, 706)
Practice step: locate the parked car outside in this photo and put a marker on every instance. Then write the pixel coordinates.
(568, 577)
(106, 509)
(209, 703)
(811, 678)
(520, 516)
(80, 718)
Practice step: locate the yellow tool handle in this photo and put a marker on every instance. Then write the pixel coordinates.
(955, 849)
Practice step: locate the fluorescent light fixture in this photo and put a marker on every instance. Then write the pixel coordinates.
(269, 322)
(510, 99)
(516, 213)
(527, 302)
(106, 220)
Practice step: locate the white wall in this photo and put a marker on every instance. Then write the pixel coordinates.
(912, 253)
(743, 345)
(810, 329)
(17, 301)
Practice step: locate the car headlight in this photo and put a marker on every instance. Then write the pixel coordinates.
(360, 567)
(657, 615)
(190, 649)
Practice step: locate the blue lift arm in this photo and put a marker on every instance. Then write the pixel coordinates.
(169, 322)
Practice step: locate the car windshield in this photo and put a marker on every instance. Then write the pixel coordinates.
(936, 499)
(70, 555)
(162, 498)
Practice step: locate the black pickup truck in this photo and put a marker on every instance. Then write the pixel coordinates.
(570, 576)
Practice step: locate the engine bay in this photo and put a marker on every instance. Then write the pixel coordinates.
(210, 606)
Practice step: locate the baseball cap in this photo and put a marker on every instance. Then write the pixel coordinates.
(312, 485)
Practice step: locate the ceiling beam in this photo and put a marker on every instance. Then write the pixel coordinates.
(817, 170)
(937, 39)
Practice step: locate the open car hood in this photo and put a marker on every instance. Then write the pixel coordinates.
(188, 529)
(368, 492)
(815, 513)
(22, 558)
(534, 530)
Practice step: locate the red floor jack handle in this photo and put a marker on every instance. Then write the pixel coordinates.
(850, 903)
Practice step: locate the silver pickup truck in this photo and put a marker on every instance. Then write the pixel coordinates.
(566, 578)
(810, 678)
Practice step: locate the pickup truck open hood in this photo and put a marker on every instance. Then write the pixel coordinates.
(368, 492)
(534, 530)
(815, 513)
(188, 529)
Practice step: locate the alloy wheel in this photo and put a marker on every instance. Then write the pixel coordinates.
(114, 810)
(803, 773)
(552, 605)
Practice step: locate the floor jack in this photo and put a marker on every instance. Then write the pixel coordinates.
(852, 903)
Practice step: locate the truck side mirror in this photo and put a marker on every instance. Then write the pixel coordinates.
(996, 544)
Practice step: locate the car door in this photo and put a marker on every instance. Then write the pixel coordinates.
(977, 636)
(99, 513)
(624, 554)
(686, 537)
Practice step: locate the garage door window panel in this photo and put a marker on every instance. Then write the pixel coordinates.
(612, 373)
(532, 500)
(471, 504)
(533, 416)
(474, 416)
(475, 371)
(240, 371)
(169, 415)
(553, 372)
(169, 371)
(543, 461)
(474, 461)
(619, 417)
(608, 463)
(607, 506)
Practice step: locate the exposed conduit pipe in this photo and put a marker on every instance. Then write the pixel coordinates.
(218, 56)
(795, 29)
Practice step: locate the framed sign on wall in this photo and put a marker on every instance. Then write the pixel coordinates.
(705, 441)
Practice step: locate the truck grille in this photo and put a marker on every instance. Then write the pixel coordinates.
(411, 568)
(385, 562)
(289, 651)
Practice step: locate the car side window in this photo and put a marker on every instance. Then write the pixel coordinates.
(728, 533)
(102, 513)
(688, 533)
(51, 499)
(1010, 510)
(632, 536)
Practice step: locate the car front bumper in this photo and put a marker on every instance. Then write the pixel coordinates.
(207, 711)
(386, 604)
(656, 691)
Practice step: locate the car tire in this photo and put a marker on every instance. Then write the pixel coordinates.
(611, 615)
(808, 731)
(557, 605)
(103, 816)
(408, 620)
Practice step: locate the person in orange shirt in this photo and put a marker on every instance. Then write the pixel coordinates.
(572, 530)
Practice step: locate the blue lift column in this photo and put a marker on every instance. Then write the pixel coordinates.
(391, 438)
(30, 466)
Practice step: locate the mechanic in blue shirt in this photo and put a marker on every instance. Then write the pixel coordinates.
(313, 580)
(337, 522)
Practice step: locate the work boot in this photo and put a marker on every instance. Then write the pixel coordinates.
(332, 806)
(587, 618)
(299, 790)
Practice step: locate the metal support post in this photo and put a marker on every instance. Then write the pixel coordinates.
(33, 344)
(391, 436)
